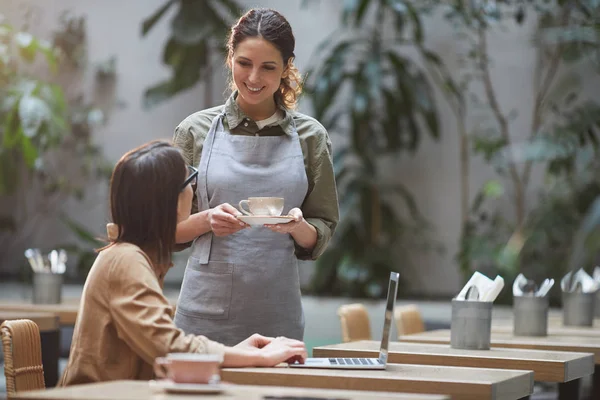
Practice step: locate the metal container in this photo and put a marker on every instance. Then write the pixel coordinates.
(47, 288)
(471, 325)
(578, 308)
(530, 315)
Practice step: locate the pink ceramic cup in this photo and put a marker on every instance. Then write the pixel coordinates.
(189, 368)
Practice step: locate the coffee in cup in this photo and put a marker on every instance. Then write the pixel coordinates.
(189, 368)
(263, 206)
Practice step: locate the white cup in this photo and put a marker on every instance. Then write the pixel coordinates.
(264, 206)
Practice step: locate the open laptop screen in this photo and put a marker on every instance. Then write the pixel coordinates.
(389, 314)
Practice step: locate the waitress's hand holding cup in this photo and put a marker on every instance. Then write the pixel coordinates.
(262, 206)
(189, 368)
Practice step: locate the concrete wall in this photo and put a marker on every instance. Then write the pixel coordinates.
(432, 174)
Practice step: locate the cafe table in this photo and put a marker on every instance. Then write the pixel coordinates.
(143, 390)
(66, 310)
(567, 390)
(555, 328)
(457, 382)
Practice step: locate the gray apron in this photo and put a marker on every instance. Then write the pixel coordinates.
(247, 282)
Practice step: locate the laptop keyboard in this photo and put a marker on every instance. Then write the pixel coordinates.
(352, 361)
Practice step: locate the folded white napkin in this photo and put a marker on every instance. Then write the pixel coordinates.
(581, 281)
(486, 288)
(521, 282)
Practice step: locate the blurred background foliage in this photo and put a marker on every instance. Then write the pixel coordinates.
(48, 154)
(363, 86)
(539, 235)
(366, 86)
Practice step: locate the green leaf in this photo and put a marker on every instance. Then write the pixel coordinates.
(195, 21)
(81, 232)
(154, 18)
(349, 8)
(27, 45)
(360, 12)
(29, 152)
(493, 189)
(33, 112)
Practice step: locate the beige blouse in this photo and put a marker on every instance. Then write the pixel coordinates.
(125, 321)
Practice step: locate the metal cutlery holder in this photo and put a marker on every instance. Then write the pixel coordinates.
(597, 306)
(578, 308)
(471, 325)
(530, 315)
(47, 288)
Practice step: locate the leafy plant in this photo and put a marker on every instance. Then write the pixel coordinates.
(47, 154)
(381, 101)
(198, 32)
(563, 137)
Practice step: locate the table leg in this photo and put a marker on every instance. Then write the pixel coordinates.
(596, 383)
(568, 390)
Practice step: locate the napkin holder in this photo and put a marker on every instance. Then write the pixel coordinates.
(578, 308)
(471, 324)
(530, 315)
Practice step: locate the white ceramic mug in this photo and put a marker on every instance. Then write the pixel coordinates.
(263, 206)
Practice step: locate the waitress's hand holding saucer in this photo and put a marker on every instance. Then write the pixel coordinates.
(290, 226)
(223, 221)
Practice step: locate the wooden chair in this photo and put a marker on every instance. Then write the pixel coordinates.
(408, 320)
(354, 319)
(22, 356)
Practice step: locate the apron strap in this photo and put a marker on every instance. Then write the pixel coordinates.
(202, 244)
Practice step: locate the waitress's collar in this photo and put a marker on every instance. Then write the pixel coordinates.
(236, 116)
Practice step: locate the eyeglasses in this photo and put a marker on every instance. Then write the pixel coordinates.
(193, 178)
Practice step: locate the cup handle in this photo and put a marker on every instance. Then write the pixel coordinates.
(160, 367)
(242, 209)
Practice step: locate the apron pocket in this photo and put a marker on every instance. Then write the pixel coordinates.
(206, 290)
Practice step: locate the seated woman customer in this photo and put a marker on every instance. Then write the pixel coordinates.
(124, 320)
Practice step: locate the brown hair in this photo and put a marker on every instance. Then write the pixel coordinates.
(144, 193)
(274, 28)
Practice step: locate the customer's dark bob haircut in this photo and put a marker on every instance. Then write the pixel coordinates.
(144, 193)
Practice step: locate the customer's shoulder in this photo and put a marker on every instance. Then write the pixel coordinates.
(124, 257)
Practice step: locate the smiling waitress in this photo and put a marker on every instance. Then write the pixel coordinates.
(239, 281)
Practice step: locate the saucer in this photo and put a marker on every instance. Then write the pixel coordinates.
(259, 220)
(171, 387)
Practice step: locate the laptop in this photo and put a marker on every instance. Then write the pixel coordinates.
(363, 363)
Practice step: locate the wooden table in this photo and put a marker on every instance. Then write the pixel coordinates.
(66, 311)
(508, 340)
(141, 390)
(550, 342)
(555, 328)
(548, 366)
(460, 383)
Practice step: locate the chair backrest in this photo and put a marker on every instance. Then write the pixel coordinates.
(408, 320)
(354, 319)
(22, 356)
